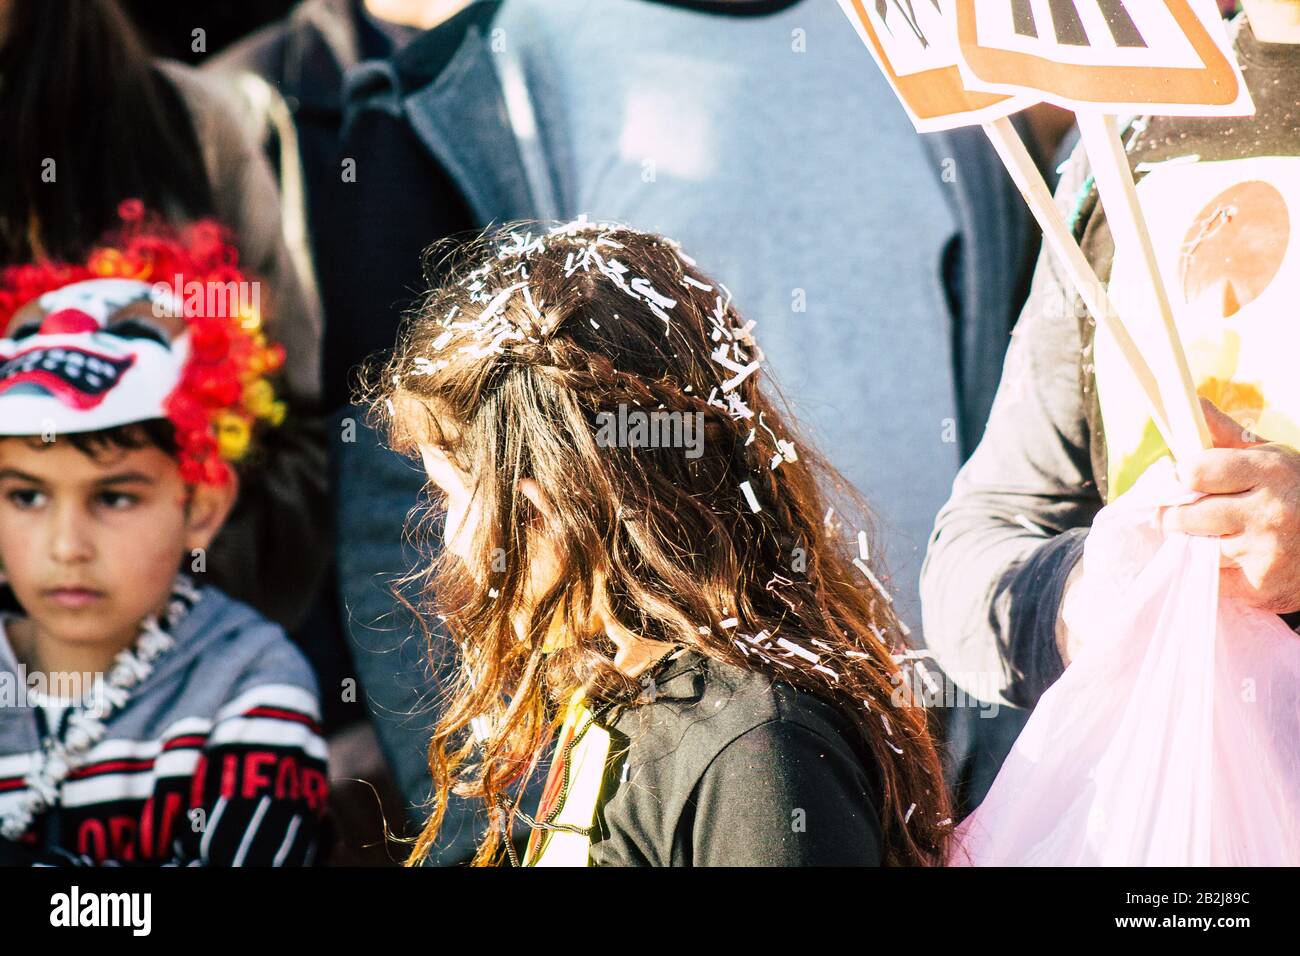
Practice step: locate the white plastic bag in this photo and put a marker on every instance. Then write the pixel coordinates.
(1173, 738)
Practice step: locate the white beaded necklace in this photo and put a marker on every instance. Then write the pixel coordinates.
(86, 727)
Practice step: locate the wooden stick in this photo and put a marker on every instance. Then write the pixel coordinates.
(1188, 431)
(1024, 173)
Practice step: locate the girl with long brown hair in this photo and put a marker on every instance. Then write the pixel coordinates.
(642, 575)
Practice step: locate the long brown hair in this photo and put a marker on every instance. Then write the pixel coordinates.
(733, 551)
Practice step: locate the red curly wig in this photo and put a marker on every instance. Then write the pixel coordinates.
(223, 393)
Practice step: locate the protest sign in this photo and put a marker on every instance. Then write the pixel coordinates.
(1101, 57)
(1114, 56)
(915, 46)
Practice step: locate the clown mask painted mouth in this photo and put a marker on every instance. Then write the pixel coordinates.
(93, 354)
(78, 376)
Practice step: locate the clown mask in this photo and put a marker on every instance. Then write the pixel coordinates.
(90, 356)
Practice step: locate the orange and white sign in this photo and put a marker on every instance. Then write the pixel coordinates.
(965, 62)
(1171, 57)
(1227, 240)
(914, 42)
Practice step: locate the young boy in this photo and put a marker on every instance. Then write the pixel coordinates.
(146, 720)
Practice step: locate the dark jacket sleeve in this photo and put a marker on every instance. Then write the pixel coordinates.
(1016, 522)
(784, 795)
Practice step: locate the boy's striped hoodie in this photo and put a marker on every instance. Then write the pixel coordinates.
(217, 759)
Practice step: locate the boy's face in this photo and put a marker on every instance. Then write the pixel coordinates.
(91, 546)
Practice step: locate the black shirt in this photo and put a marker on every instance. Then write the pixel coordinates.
(726, 767)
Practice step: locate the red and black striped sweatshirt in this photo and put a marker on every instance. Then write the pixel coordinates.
(216, 759)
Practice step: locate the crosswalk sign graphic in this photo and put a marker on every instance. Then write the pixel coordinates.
(1118, 56)
(965, 62)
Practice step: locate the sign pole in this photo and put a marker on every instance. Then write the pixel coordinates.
(1188, 432)
(1024, 173)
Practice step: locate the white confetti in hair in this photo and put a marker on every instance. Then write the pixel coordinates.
(785, 450)
(489, 333)
(798, 651)
(927, 678)
(741, 374)
(532, 307)
(737, 408)
(875, 581)
(646, 290)
(425, 367)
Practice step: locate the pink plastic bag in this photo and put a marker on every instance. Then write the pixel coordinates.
(1173, 739)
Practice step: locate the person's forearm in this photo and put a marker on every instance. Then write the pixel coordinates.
(992, 588)
(1013, 530)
